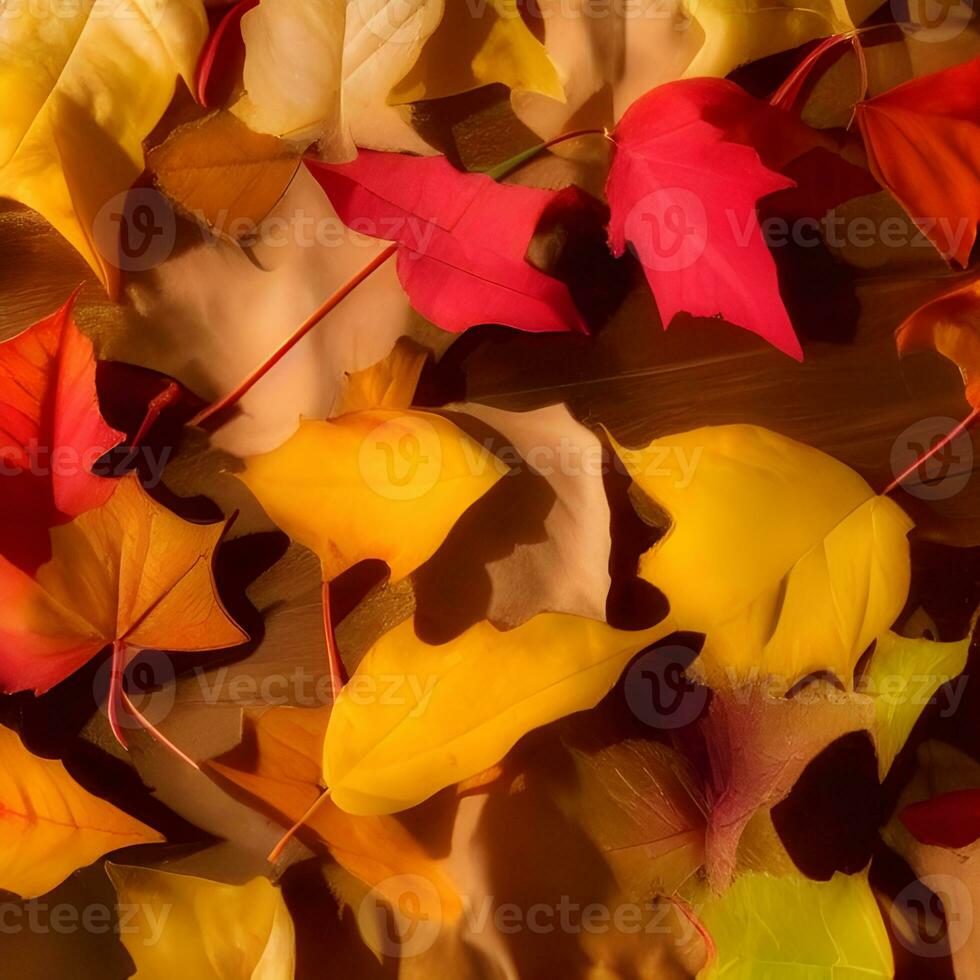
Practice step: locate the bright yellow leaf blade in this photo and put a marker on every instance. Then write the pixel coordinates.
(903, 677)
(130, 570)
(49, 825)
(459, 707)
(184, 926)
(480, 46)
(792, 928)
(739, 31)
(829, 573)
(81, 88)
(374, 484)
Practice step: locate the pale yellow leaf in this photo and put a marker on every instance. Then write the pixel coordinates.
(184, 926)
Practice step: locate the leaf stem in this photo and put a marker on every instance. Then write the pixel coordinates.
(338, 676)
(118, 698)
(508, 166)
(167, 397)
(276, 852)
(925, 457)
(297, 335)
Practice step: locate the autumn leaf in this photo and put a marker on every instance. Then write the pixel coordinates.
(378, 483)
(755, 29)
(903, 677)
(926, 127)
(604, 63)
(51, 826)
(757, 748)
(766, 926)
(479, 45)
(464, 703)
(187, 302)
(950, 325)
(692, 161)
(643, 805)
(280, 763)
(551, 545)
(388, 383)
(217, 170)
(185, 925)
(455, 273)
(830, 575)
(344, 60)
(128, 572)
(678, 192)
(52, 433)
(75, 119)
(933, 829)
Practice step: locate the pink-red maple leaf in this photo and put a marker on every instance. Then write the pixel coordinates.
(692, 161)
(462, 239)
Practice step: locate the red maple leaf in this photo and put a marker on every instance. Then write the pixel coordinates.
(923, 143)
(462, 239)
(51, 434)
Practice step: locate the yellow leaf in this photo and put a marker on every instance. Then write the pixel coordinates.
(390, 383)
(81, 87)
(372, 484)
(460, 706)
(218, 170)
(49, 825)
(280, 763)
(342, 61)
(739, 31)
(784, 557)
(479, 46)
(791, 928)
(129, 570)
(184, 926)
(903, 677)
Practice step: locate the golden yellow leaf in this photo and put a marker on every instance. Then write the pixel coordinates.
(790, 927)
(130, 570)
(218, 170)
(739, 31)
(342, 61)
(184, 926)
(81, 87)
(390, 383)
(476, 46)
(457, 708)
(373, 484)
(49, 825)
(280, 763)
(784, 557)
